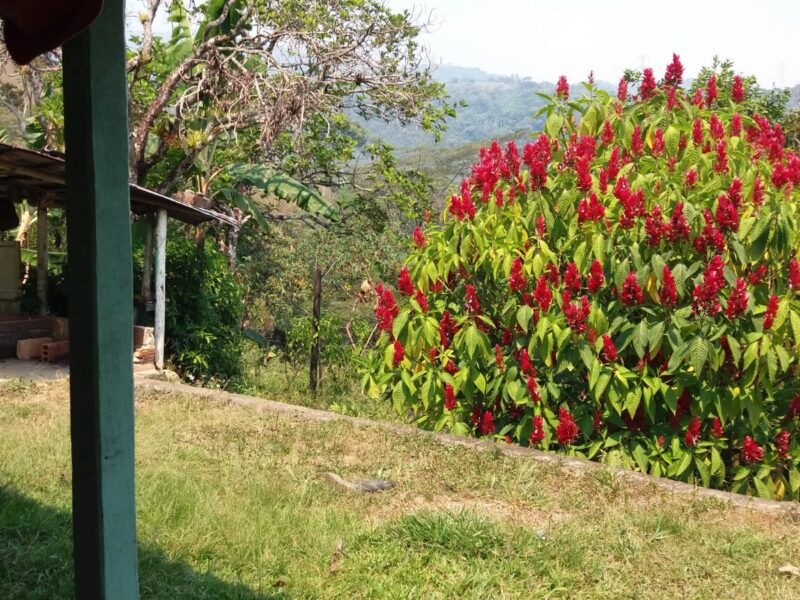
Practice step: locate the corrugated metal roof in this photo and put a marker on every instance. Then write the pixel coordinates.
(28, 172)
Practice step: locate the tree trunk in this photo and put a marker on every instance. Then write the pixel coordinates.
(315, 315)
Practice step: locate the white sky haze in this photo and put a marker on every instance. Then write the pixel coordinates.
(545, 39)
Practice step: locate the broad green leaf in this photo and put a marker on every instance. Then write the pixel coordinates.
(554, 124)
(524, 316)
(698, 353)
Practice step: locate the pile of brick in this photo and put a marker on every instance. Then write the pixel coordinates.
(56, 347)
(144, 345)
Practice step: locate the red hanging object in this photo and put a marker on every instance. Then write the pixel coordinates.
(34, 27)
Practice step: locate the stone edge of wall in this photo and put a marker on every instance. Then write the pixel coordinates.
(571, 463)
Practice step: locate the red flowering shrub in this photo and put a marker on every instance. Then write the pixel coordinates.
(625, 288)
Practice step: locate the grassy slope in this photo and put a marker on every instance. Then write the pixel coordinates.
(232, 504)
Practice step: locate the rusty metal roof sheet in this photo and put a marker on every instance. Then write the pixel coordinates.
(29, 171)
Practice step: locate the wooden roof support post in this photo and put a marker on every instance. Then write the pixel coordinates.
(42, 256)
(161, 280)
(146, 291)
(100, 297)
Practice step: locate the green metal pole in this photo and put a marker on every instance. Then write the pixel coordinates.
(100, 309)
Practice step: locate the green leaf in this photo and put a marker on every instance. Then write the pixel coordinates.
(400, 322)
(698, 353)
(750, 355)
(794, 319)
(524, 316)
(655, 335)
(762, 489)
(672, 140)
(283, 187)
(471, 339)
(554, 124)
(702, 468)
(640, 339)
(598, 246)
(602, 382)
(640, 456)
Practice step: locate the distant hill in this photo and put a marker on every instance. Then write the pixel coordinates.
(496, 106)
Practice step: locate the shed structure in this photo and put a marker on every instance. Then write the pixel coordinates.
(39, 178)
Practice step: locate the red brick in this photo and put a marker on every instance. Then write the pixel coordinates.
(31, 348)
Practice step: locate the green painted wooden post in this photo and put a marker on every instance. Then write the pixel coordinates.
(100, 309)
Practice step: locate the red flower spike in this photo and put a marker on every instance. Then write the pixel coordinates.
(705, 294)
(404, 283)
(794, 274)
(672, 101)
(472, 303)
(711, 91)
(533, 390)
(622, 90)
(727, 215)
(654, 226)
(498, 356)
(608, 134)
(721, 166)
(609, 349)
(716, 127)
(386, 308)
(419, 237)
(668, 295)
(449, 397)
(716, 428)
(757, 276)
(690, 178)
(516, 280)
(447, 329)
(782, 444)
(562, 88)
(590, 209)
(399, 354)
(677, 230)
(631, 294)
(572, 278)
(772, 310)
(637, 144)
(697, 99)
(674, 74)
(794, 408)
(566, 431)
(658, 143)
(737, 90)
(736, 125)
(751, 451)
(596, 277)
(537, 433)
(541, 227)
(487, 423)
(758, 191)
(647, 88)
(693, 432)
(422, 300)
(525, 364)
(737, 303)
(697, 131)
(542, 294)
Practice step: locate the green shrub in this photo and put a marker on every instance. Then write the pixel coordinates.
(203, 312)
(625, 288)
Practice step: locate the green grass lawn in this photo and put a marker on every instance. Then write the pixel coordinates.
(232, 503)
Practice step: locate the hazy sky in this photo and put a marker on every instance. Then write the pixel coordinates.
(544, 39)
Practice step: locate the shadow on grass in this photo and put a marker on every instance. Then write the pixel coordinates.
(36, 560)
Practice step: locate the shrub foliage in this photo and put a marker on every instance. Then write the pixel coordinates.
(625, 288)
